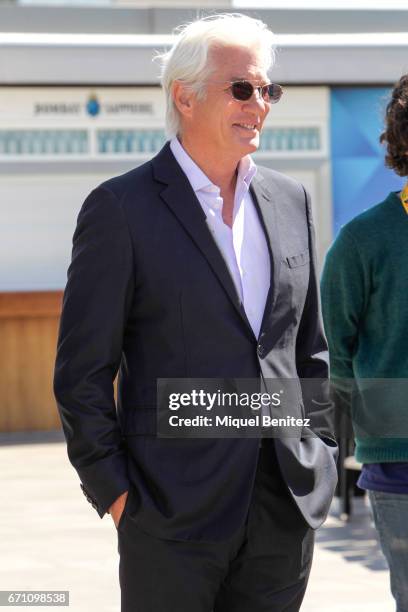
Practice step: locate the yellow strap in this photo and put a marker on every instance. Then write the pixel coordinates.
(404, 198)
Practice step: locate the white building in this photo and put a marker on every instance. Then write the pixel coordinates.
(82, 102)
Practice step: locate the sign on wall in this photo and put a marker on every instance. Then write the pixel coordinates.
(58, 143)
(82, 123)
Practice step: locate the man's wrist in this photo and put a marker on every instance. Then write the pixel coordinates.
(116, 508)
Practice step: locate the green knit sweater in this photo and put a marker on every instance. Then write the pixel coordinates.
(365, 311)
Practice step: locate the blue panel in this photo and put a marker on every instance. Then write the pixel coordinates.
(360, 179)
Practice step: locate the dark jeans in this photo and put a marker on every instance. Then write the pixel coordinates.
(390, 511)
(264, 567)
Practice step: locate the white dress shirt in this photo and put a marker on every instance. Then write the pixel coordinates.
(243, 246)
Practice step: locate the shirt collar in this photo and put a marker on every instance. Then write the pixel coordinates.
(246, 171)
(200, 181)
(195, 175)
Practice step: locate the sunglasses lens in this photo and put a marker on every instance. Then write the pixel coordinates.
(272, 93)
(242, 90)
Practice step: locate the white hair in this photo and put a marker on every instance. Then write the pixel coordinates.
(187, 60)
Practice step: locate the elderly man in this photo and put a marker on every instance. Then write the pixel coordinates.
(199, 264)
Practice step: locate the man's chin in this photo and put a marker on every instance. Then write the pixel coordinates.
(254, 144)
(250, 146)
(251, 150)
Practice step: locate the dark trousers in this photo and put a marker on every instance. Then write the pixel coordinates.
(264, 567)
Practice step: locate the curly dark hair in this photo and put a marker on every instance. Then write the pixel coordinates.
(395, 135)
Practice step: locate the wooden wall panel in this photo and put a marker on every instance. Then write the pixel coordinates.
(28, 338)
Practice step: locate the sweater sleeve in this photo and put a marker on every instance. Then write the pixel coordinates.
(344, 290)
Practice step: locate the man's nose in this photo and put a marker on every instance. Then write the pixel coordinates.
(257, 101)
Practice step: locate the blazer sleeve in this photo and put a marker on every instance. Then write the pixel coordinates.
(96, 304)
(312, 358)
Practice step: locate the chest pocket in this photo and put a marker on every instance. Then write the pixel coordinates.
(295, 261)
(294, 281)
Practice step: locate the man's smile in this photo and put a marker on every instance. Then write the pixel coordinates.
(248, 127)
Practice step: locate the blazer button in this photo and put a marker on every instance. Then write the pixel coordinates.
(261, 350)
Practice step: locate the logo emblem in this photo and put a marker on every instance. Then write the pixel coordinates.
(92, 106)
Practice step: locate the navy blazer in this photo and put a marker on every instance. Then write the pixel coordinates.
(149, 296)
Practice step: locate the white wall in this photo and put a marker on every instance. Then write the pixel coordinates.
(38, 217)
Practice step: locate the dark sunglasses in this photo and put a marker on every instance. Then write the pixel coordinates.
(243, 91)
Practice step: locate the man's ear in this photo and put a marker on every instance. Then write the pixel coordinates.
(183, 98)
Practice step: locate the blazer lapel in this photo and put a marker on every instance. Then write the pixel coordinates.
(181, 199)
(265, 202)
